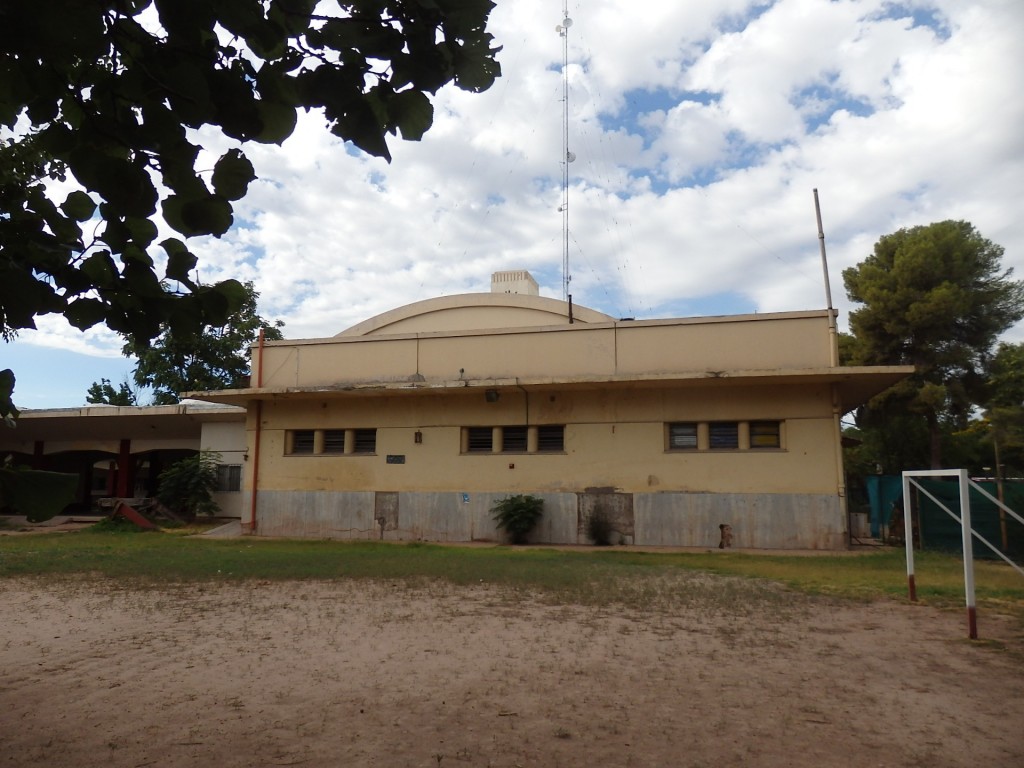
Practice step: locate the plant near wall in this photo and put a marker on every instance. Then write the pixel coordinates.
(518, 515)
(186, 488)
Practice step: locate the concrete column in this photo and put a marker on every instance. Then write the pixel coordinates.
(531, 439)
(743, 442)
(125, 473)
(350, 441)
(496, 440)
(318, 441)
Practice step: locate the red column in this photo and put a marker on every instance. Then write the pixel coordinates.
(125, 473)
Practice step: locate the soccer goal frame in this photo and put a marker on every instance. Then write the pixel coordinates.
(967, 532)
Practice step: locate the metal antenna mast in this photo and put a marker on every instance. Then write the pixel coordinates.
(567, 156)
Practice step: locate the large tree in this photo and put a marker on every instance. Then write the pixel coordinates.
(102, 100)
(218, 358)
(102, 392)
(936, 297)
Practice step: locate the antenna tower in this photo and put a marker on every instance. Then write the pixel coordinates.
(567, 156)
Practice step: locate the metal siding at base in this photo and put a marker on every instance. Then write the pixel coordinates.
(759, 521)
(766, 521)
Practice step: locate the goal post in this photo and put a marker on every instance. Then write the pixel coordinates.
(965, 527)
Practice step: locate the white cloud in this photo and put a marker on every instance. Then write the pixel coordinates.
(700, 131)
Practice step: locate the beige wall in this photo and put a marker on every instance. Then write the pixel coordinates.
(565, 352)
(614, 437)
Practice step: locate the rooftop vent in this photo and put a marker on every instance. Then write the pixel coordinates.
(515, 281)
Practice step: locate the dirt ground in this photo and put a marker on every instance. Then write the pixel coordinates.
(707, 672)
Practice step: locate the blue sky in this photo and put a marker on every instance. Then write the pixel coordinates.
(699, 130)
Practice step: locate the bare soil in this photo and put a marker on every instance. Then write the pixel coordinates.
(703, 672)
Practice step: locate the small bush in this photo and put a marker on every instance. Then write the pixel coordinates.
(599, 528)
(518, 515)
(187, 486)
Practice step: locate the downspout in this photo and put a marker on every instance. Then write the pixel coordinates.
(837, 414)
(256, 438)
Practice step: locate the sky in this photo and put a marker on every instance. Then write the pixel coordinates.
(700, 131)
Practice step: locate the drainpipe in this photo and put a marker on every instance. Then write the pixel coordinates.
(256, 438)
(837, 413)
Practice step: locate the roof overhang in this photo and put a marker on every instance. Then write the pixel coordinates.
(107, 422)
(854, 385)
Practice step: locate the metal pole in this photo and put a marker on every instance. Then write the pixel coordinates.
(965, 526)
(832, 333)
(908, 537)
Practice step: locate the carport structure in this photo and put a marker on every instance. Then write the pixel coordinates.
(116, 451)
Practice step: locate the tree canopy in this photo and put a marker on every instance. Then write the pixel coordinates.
(936, 297)
(102, 100)
(103, 393)
(218, 358)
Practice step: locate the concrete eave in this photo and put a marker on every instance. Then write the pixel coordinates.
(855, 385)
(111, 422)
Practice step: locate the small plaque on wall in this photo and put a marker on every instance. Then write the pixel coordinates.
(396, 458)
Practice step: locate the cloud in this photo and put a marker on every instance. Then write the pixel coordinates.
(700, 131)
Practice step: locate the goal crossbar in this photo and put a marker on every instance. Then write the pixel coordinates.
(967, 531)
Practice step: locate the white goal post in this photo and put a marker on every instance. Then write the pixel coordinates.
(964, 518)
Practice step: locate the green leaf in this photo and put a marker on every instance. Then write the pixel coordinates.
(85, 313)
(211, 215)
(232, 174)
(413, 113)
(79, 206)
(278, 122)
(180, 264)
(100, 269)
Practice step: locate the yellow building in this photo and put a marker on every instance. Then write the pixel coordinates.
(412, 424)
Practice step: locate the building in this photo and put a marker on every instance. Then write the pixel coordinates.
(119, 451)
(413, 423)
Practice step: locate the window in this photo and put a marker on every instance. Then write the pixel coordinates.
(229, 478)
(724, 435)
(302, 441)
(365, 441)
(551, 437)
(479, 439)
(682, 436)
(765, 434)
(334, 441)
(513, 439)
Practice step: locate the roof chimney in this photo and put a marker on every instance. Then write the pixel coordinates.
(515, 281)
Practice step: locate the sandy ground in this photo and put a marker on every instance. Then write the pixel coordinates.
(701, 671)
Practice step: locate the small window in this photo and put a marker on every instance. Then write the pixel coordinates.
(513, 439)
(229, 478)
(302, 441)
(551, 437)
(478, 439)
(682, 436)
(365, 441)
(334, 441)
(765, 434)
(724, 435)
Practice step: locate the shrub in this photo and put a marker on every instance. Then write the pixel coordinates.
(187, 486)
(599, 528)
(518, 515)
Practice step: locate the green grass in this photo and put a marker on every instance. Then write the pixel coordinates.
(589, 577)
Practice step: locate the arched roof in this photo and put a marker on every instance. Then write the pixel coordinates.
(475, 311)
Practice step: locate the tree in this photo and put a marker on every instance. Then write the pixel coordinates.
(935, 297)
(186, 487)
(103, 393)
(215, 359)
(1004, 407)
(106, 97)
